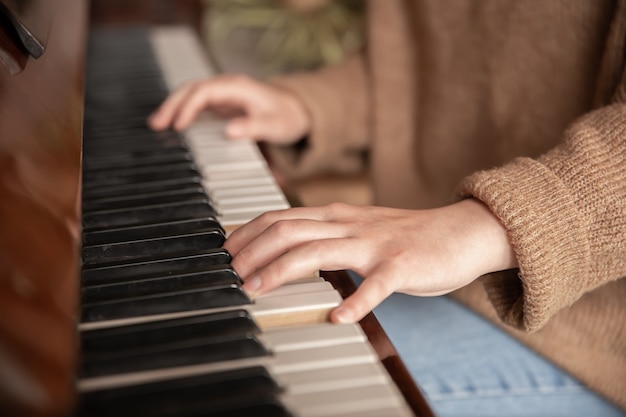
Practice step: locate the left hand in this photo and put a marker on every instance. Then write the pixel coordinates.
(418, 252)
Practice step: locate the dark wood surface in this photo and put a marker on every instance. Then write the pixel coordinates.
(40, 138)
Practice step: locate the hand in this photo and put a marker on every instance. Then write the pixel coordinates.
(260, 111)
(426, 252)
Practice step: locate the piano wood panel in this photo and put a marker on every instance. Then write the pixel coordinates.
(40, 139)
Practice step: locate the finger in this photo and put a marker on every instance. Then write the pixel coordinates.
(243, 128)
(163, 116)
(256, 127)
(281, 237)
(302, 261)
(246, 233)
(372, 291)
(236, 93)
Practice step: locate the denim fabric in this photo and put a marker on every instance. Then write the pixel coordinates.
(467, 367)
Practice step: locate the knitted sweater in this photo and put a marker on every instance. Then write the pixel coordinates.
(521, 104)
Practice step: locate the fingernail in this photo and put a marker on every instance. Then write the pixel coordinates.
(234, 130)
(253, 284)
(342, 315)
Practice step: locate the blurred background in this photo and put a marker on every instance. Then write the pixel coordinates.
(264, 38)
(258, 37)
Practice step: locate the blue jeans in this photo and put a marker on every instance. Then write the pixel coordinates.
(467, 367)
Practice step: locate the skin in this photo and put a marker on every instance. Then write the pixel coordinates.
(418, 252)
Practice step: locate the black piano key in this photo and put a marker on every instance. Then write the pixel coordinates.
(125, 234)
(114, 162)
(143, 199)
(217, 277)
(145, 249)
(205, 349)
(104, 133)
(160, 213)
(138, 152)
(139, 170)
(149, 186)
(206, 259)
(105, 143)
(214, 394)
(172, 302)
(182, 172)
(162, 331)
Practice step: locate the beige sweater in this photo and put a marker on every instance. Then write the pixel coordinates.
(521, 104)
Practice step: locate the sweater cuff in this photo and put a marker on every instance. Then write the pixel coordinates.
(336, 99)
(537, 210)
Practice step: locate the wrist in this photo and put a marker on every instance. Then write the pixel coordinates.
(491, 247)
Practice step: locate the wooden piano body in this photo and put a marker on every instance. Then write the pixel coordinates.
(41, 222)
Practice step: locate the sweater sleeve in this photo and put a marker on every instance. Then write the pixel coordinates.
(337, 99)
(565, 213)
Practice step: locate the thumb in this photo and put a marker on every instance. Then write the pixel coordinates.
(368, 295)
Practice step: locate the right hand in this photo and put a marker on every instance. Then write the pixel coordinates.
(258, 111)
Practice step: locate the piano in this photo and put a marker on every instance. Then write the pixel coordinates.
(116, 297)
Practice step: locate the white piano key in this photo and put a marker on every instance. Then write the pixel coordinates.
(238, 182)
(207, 158)
(397, 411)
(319, 380)
(255, 206)
(242, 192)
(332, 403)
(232, 166)
(314, 284)
(249, 199)
(311, 336)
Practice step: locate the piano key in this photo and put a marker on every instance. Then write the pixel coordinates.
(218, 276)
(238, 182)
(113, 143)
(144, 199)
(210, 348)
(350, 400)
(129, 159)
(131, 155)
(238, 174)
(266, 204)
(151, 248)
(180, 172)
(224, 194)
(124, 234)
(160, 213)
(181, 300)
(225, 322)
(176, 166)
(149, 186)
(205, 259)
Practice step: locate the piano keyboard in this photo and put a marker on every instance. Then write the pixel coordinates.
(166, 329)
